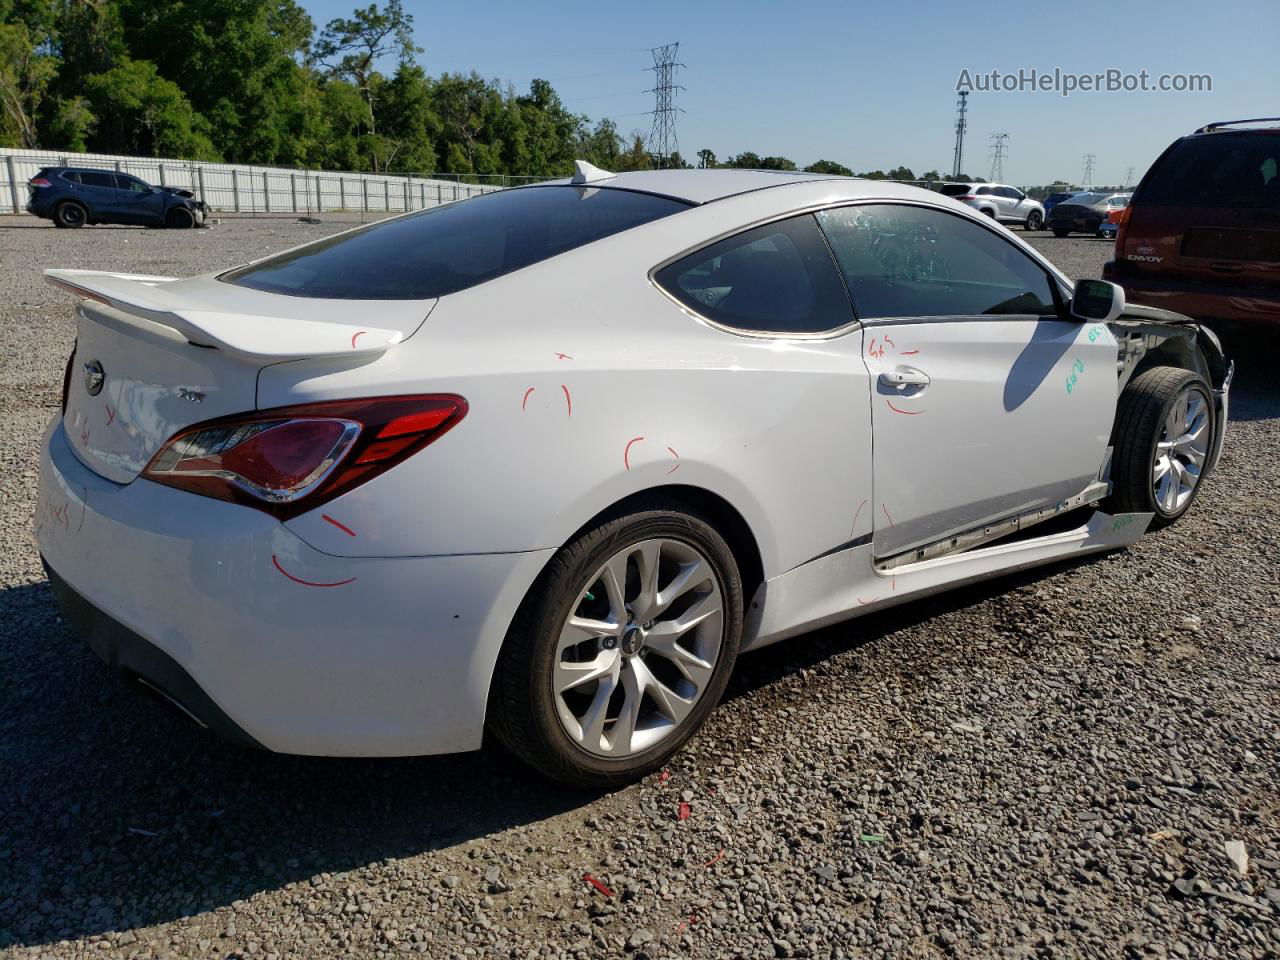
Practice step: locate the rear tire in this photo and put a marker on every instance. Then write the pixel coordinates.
(1164, 432)
(1034, 221)
(70, 215)
(1059, 232)
(584, 730)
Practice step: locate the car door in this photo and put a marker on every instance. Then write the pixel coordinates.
(986, 400)
(139, 203)
(1012, 200)
(100, 194)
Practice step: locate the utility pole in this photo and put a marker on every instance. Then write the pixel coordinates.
(962, 105)
(662, 136)
(999, 150)
(1089, 158)
(1128, 177)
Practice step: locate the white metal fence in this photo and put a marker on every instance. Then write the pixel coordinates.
(242, 188)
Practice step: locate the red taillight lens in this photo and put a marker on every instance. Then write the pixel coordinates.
(39, 182)
(291, 459)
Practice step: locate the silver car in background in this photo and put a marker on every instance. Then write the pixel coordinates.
(999, 201)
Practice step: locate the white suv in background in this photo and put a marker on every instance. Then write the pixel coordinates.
(998, 201)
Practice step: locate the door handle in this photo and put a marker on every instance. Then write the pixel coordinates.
(904, 376)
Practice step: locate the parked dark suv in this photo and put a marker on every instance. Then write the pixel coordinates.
(1201, 235)
(74, 196)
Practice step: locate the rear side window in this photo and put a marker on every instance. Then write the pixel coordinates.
(70, 175)
(91, 178)
(453, 247)
(1217, 170)
(778, 278)
(902, 262)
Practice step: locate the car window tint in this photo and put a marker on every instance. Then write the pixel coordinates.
(778, 278)
(129, 183)
(1217, 170)
(92, 178)
(71, 175)
(954, 189)
(982, 192)
(453, 247)
(904, 261)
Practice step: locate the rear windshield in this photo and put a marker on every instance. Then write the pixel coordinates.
(1217, 170)
(954, 189)
(450, 248)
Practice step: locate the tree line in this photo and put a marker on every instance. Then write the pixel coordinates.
(255, 81)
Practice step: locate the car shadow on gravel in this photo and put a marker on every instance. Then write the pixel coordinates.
(118, 814)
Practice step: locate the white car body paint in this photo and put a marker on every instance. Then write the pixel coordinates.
(377, 634)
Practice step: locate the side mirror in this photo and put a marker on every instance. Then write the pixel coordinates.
(1096, 301)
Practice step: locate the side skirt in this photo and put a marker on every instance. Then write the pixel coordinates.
(847, 584)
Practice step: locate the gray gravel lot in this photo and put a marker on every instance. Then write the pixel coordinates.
(1047, 765)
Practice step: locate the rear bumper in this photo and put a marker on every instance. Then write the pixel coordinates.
(1201, 301)
(119, 647)
(1074, 224)
(265, 639)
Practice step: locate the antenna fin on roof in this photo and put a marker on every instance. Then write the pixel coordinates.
(584, 172)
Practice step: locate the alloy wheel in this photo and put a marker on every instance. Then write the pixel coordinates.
(639, 647)
(1181, 450)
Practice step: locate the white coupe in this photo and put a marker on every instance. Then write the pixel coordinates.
(547, 460)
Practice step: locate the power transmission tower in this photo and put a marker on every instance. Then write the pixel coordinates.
(1128, 177)
(662, 137)
(962, 105)
(1088, 169)
(999, 150)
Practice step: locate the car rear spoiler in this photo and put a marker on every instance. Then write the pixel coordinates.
(251, 336)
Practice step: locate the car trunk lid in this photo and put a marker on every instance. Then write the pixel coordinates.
(155, 355)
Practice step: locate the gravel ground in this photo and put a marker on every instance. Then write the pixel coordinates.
(1048, 765)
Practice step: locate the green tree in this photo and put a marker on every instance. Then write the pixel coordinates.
(407, 122)
(352, 47)
(776, 163)
(706, 159)
(636, 155)
(829, 167)
(25, 75)
(142, 113)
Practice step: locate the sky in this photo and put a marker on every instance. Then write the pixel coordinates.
(874, 86)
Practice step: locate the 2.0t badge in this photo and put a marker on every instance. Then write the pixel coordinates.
(94, 378)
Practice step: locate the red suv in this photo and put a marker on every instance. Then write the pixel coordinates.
(1201, 235)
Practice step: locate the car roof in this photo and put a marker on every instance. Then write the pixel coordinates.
(698, 186)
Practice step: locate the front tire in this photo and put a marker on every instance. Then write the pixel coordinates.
(180, 218)
(621, 649)
(1163, 434)
(1034, 221)
(1059, 232)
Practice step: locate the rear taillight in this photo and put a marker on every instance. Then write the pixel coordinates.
(39, 182)
(66, 379)
(1122, 221)
(967, 196)
(291, 459)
